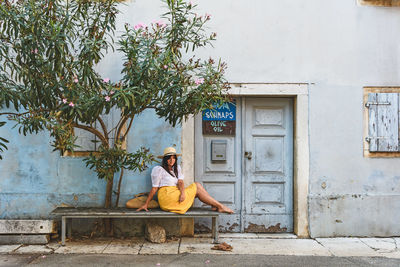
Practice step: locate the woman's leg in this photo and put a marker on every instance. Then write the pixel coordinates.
(203, 195)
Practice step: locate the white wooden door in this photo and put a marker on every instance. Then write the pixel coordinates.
(257, 185)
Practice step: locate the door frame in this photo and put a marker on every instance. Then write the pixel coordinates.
(300, 94)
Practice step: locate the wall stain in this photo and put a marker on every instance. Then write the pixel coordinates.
(201, 228)
(233, 226)
(256, 228)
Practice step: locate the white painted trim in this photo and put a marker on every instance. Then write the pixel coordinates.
(301, 142)
(268, 89)
(187, 148)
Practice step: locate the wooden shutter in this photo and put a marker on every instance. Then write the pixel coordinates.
(383, 123)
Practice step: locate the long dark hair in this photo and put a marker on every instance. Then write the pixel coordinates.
(164, 164)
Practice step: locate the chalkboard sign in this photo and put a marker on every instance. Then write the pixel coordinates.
(221, 120)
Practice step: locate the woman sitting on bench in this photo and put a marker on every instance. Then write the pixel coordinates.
(167, 179)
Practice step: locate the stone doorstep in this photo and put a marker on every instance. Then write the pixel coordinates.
(250, 235)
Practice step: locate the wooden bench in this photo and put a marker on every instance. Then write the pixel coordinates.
(81, 212)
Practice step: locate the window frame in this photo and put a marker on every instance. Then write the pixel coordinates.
(86, 153)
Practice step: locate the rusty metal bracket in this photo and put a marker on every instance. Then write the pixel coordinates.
(376, 103)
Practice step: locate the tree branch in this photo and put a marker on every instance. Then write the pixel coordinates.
(13, 113)
(103, 126)
(119, 187)
(123, 120)
(129, 127)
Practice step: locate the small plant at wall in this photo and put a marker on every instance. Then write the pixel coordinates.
(49, 50)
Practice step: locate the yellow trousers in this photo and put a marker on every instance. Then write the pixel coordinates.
(168, 198)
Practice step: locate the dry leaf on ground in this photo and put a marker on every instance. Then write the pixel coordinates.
(223, 246)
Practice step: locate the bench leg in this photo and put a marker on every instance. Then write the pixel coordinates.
(215, 230)
(63, 226)
(69, 228)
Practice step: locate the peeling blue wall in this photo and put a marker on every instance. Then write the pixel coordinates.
(34, 180)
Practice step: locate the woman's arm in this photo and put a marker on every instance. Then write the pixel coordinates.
(181, 187)
(153, 191)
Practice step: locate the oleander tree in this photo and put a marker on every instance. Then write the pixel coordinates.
(49, 50)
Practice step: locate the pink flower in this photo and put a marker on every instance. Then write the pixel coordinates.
(165, 67)
(139, 26)
(207, 16)
(190, 3)
(65, 100)
(76, 80)
(199, 81)
(107, 98)
(160, 23)
(106, 80)
(112, 92)
(34, 51)
(71, 104)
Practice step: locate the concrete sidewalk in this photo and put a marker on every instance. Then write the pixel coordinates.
(243, 244)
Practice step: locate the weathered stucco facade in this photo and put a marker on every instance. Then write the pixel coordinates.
(333, 48)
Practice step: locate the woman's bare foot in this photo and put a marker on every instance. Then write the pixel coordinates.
(225, 209)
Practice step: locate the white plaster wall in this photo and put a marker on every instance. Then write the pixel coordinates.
(339, 47)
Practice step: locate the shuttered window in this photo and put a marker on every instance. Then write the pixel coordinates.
(383, 122)
(379, 2)
(88, 142)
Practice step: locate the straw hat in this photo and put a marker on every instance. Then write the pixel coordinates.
(168, 152)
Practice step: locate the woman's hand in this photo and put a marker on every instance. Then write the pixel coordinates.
(181, 187)
(182, 197)
(153, 191)
(144, 207)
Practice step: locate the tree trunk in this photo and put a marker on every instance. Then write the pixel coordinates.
(109, 190)
(107, 204)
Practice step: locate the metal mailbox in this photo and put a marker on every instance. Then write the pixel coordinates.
(218, 151)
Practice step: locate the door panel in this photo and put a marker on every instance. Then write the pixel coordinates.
(270, 158)
(228, 166)
(268, 174)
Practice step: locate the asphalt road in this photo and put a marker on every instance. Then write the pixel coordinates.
(78, 260)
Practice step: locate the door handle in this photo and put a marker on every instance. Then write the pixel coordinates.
(247, 154)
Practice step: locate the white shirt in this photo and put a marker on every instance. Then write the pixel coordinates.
(160, 177)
